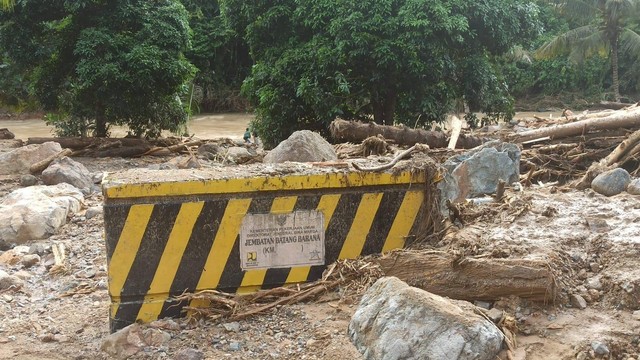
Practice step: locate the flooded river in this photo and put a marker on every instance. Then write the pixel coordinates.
(203, 126)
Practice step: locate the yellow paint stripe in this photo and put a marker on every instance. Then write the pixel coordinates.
(357, 235)
(222, 244)
(327, 206)
(170, 261)
(253, 279)
(404, 220)
(114, 188)
(126, 250)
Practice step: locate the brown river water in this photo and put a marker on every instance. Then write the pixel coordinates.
(208, 126)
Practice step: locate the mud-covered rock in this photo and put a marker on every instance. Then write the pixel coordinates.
(209, 151)
(302, 146)
(238, 154)
(478, 171)
(68, 171)
(37, 212)
(19, 161)
(396, 321)
(125, 342)
(28, 180)
(9, 281)
(5, 134)
(611, 182)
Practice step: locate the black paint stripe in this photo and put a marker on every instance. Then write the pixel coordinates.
(419, 225)
(382, 222)
(115, 216)
(277, 277)
(196, 253)
(232, 274)
(146, 262)
(337, 231)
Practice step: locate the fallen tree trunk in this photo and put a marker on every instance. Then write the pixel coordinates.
(619, 119)
(614, 105)
(470, 278)
(353, 131)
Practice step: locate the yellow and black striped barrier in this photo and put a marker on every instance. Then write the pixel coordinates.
(167, 237)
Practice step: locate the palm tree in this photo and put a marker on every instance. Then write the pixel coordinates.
(609, 35)
(7, 4)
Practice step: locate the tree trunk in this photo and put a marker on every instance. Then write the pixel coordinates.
(101, 122)
(352, 131)
(629, 118)
(469, 278)
(614, 68)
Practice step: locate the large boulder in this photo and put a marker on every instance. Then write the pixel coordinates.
(396, 321)
(20, 160)
(68, 171)
(37, 212)
(477, 172)
(611, 182)
(239, 155)
(302, 146)
(5, 134)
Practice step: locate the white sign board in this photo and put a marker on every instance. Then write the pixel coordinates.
(282, 240)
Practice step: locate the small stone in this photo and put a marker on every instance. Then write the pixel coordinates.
(9, 281)
(30, 260)
(595, 294)
(28, 180)
(634, 187)
(188, 354)
(235, 346)
(8, 298)
(60, 338)
(156, 337)
(38, 249)
(578, 302)
(311, 342)
(594, 267)
(594, 283)
(636, 315)
(4, 340)
(582, 274)
(482, 304)
(93, 212)
(600, 348)
(583, 355)
(495, 315)
(232, 326)
(47, 338)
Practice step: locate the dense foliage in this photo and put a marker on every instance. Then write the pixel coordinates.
(95, 63)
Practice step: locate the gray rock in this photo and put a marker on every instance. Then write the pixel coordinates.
(156, 337)
(28, 180)
(180, 162)
(9, 281)
(495, 315)
(37, 212)
(600, 348)
(93, 212)
(20, 160)
(396, 321)
(39, 249)
(209, 151)
(594, 283)
(235, 346)
(188, 354)
(30, 260)
(611, 182)
(68, 171)
(232, 326)
(302, 146)
(634, 187)
(124, 343)
(5, 134)
(636, 315)
(238, 155)
(477, 172)
(578, 302)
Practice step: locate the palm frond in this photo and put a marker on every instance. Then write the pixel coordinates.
(617, 9)
(563, 44)
(519, 54)
(630, 43)
(595, 44)
(7, 4)
(578, 8)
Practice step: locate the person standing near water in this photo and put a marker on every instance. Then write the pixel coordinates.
(247, 136)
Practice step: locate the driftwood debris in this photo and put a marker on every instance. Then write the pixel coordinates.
(353, 131)
(627, 118)
(43, 164)
(471, 278)
(395, 160)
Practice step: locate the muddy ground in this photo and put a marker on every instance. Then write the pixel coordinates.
(592, 242)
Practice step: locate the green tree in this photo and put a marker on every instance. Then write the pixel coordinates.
(605, 32)
(390, 60)
(104, 62)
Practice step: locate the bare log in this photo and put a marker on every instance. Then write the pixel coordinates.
(77, 143)
(614, 105)
(43, 164)
(619, 119)
(353, 131)
(470, 278)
